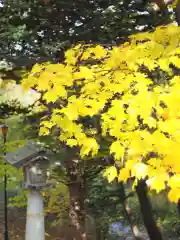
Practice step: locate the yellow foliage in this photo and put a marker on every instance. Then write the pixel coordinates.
(174, 181)
(124, 103)
(117, 149)
(174, 195)
(110, 173)
(139, 170)
(44, 131)
(124, 174)
(158, 182)
(71, 142)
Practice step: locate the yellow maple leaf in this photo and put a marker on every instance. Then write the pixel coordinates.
(86, 54)
(130, 164)
(70, 57)
(99, 51)
(71, 142)
(71, 112)
(89, 145)
(29, 82)
(124, 174)
(174, 195)
(117, 149)
(84, 73)
(50, 96)
(158, 182)
(140, 170)
(47, 124)
(175, 60)
(174, 181)
(44, 131)
(110, 173)
(36, 68)
(164, 64)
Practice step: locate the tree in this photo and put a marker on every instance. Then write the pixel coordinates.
(108, 87)
(38, 31)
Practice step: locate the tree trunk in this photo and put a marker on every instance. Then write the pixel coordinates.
(76, 184)
(146, 211)
(178, 206)
(177, 13)
(135, 230)
(99, 234)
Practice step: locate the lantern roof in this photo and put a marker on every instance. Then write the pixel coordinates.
(29, 153)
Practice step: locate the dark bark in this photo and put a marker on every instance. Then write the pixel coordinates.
(99, 234)
(146, 211)
(177, 13)
(135, 230)
(76, 184)
(178, 206)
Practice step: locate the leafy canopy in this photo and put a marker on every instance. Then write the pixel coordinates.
(125, 98)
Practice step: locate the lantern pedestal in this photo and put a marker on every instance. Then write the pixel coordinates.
(35, 229)
(35, 163)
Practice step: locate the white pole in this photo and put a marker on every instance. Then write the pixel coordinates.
(35, 229)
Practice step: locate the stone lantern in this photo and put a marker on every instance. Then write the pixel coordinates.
(35, 161)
